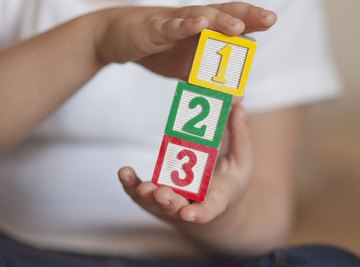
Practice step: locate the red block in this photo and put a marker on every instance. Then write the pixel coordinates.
(184, 166)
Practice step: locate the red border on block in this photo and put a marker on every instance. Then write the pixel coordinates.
(205, 180)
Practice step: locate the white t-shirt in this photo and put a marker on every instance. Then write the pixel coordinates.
(59, 188)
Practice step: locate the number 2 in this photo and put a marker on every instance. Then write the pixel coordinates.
(186, 167)
(205, 110)
(225, 57)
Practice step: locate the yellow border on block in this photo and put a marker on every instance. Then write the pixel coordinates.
(207, 34)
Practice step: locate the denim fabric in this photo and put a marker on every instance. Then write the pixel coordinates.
(310, 256)
(14, 254)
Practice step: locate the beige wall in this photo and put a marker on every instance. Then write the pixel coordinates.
(344, 22)
(329, 164)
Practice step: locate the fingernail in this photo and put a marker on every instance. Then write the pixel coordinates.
(190, 217)
(164, 202)
(232, 21)
(199, 20)
(265, 13)
(125, 179)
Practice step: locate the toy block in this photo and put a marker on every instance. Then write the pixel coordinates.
(222, 62)
(185, 167)
(198, 114)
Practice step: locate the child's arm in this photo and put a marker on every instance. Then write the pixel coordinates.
(38, 75)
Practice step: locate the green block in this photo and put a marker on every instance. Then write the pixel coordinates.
(198, 114)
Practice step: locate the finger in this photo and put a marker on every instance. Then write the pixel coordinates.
(239, 134)
(162, 201)
(227, 24)
(140, 192)
(144, 194)
(169, 201)
(255, 18)
(218, 21)
(168, 30)
(214, 205)
(130, 181)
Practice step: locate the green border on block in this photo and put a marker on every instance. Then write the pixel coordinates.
(226, 98)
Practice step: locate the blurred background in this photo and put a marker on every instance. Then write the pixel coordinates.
(328, 177)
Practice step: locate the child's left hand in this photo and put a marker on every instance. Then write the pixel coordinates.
(233, 170)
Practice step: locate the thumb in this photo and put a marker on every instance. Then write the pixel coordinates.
(240, 144)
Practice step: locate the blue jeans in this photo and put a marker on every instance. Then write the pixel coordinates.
(14, 254)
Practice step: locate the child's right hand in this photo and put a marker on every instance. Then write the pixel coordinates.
(164, 39)
(55, 64)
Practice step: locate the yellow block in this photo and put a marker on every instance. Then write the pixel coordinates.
(222, 62)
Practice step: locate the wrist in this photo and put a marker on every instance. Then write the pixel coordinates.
(111, 35)
(100, 22)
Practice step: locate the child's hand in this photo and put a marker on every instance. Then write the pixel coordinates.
(222, 202)
(164, 39)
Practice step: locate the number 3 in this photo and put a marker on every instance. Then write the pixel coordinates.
(187, 168)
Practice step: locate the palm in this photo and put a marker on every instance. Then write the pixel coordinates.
(175, 62)
(230, 178)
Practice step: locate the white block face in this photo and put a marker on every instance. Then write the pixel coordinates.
(211, 61)
(185, 114)
(172, 163)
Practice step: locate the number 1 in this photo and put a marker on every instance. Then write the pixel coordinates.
(225, 57)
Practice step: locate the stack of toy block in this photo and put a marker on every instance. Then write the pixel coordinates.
(199, 112)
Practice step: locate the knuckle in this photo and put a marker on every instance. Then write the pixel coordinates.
(137, 191)
(195, 10)
(222, 16)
